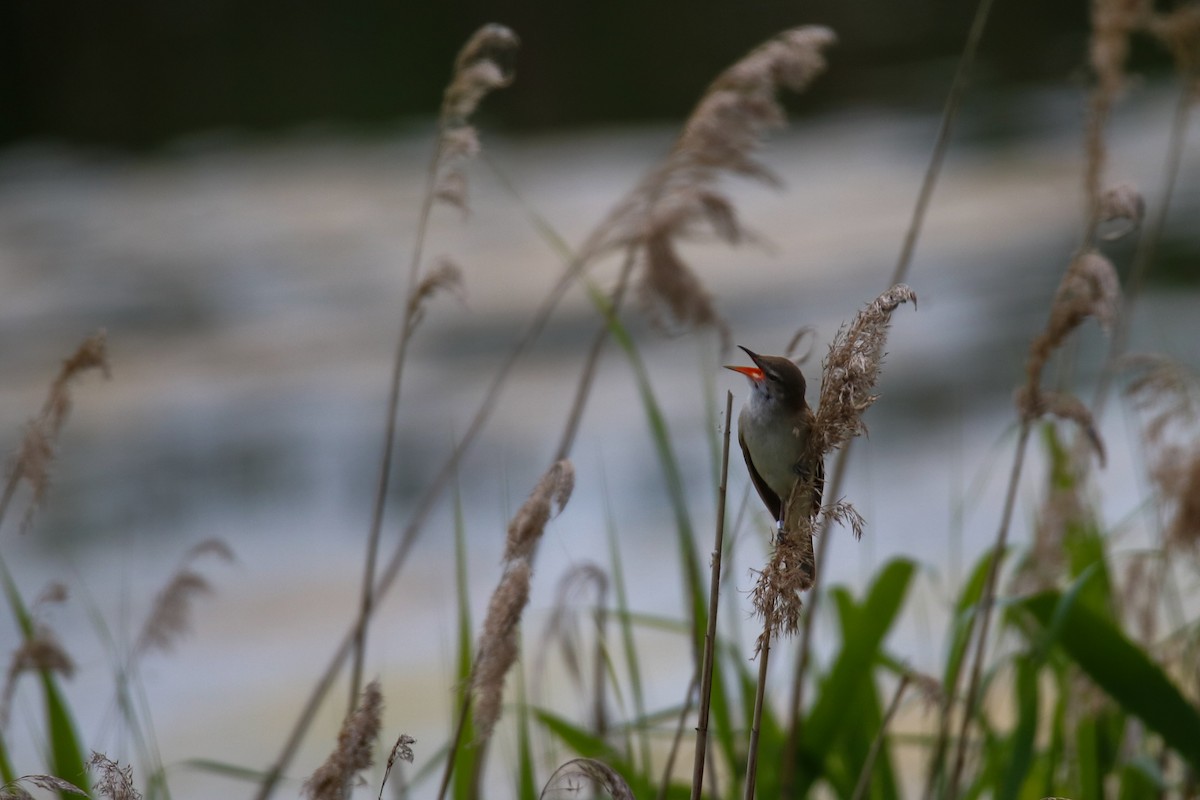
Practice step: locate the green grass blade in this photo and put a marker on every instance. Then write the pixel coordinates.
(694, 586)
(7, 775)
(462, 787)
(632, 665)
(66, 752)
(235, 772)
(526, 774)
(1123, 670)
(1022, 741)
(865, 626)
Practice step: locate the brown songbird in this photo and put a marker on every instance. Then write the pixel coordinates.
(773, 430)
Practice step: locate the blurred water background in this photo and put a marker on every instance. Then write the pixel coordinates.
(251, 285)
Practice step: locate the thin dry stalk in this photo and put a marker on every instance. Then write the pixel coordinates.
(864, 776)
(763, 655)
(401, 751)
(788, 768)
(35, 456)
(677, 740)
(355, 750)
(710, 635)
(481, 67)
(563, 628)
(984, 618)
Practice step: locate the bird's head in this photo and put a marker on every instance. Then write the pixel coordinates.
(775, 377)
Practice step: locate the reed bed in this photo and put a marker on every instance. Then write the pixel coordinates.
(1064, 631)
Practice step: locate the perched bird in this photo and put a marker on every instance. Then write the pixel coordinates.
(773, 430)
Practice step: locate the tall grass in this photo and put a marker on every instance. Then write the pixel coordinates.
(1101, 701)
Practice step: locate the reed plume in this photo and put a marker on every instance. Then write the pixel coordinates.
(170, 616)
(113, 781)
(683, 196)
(355, 749)
(35, 455)
(849, 374)
(498, 643)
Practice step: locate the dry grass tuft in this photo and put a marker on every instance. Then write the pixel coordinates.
(527, 525)
(1089, 288)
(355, 749)
(113, 781)
(1179, 31)
(445, 276)
(1034, 404)
(401, 751)
(35, 455)
(170, 617)
(1122, 209)
(483, 65)
(682, 197)
(569, 780)
(851, 370)
(788, 573)
(49, 783)
(499, 642)
(1168, 395)
(562, 627)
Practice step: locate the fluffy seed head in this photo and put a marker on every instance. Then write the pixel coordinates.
(113, 781)
(354, 752)
(499, 644)
(682, 196)
(851, 370)
(547, 498)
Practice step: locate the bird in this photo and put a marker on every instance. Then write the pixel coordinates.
(773, 429)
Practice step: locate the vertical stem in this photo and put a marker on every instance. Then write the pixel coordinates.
(949, 113)
(710, 635)
(463, 710)
(367, 598)
(795, 726)
(764, 655)
(864, 777)
(669, 766)
(986, 606)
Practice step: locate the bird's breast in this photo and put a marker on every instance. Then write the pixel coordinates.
(775, 441)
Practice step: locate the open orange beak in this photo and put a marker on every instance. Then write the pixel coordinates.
(753, 373)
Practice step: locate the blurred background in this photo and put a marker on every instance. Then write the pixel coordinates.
(230, 190)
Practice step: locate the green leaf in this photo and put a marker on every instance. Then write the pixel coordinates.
(583, 742)
(1123, 670)
(864, 629)
(466, 756)
(66, 753)
(1021, 743)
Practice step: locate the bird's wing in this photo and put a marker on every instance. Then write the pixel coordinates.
(769, 498)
